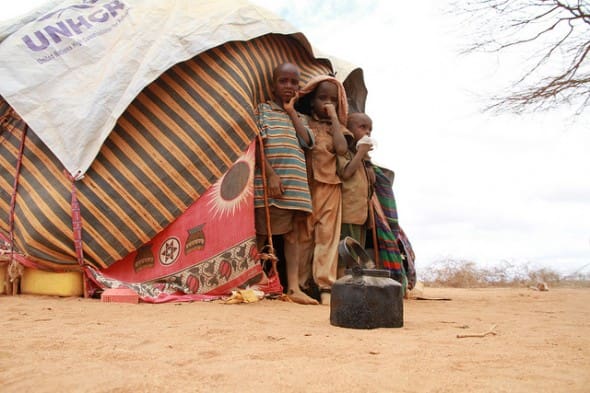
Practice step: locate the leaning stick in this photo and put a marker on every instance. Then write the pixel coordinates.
(489, 332)
(374, 233)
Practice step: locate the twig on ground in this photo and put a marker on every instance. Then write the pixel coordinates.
(489, 332)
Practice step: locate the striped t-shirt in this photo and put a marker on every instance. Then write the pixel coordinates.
(284, 152)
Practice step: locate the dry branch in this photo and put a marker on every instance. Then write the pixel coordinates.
(558, 33)
(489, 332)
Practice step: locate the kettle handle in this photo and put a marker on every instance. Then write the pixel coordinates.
(347, 246)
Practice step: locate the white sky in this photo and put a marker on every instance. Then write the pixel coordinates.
(469, 186)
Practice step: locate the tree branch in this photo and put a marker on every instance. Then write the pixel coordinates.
(558, 30)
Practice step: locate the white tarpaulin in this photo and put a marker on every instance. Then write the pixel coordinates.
(73, 71)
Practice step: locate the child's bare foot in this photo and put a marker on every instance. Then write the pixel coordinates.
(301, 298)
(326, 297)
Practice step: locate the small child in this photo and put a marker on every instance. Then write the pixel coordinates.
(285, 136)
(358, 181)
(323, 99)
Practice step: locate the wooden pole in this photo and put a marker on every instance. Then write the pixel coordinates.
(373, 224)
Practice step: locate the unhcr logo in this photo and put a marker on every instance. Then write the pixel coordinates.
(92, 18)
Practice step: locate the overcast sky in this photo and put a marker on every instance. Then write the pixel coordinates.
(469, 186)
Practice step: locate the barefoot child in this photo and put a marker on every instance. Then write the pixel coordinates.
(326, 106)
(358, 181)
(285, 136)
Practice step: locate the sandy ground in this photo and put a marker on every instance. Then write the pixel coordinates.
(542, 344)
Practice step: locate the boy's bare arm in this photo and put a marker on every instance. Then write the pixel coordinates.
(356, 162)
(340, 145)
(297, 123)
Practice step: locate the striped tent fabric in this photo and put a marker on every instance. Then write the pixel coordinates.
(178, 136)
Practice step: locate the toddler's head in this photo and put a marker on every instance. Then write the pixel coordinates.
(360, 124)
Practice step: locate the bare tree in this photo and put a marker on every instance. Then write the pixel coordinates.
(554, 34)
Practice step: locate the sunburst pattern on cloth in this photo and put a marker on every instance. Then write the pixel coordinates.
(233, 189)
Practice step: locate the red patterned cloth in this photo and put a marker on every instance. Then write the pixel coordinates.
(208, 251)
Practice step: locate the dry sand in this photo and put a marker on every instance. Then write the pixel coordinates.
(542, 344)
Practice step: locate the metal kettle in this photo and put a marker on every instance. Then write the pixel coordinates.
(365, 297)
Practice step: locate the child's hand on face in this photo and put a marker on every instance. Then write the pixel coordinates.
(364, 146)
(364, 150)
(330, 110)
(365, 140)
(290, 105)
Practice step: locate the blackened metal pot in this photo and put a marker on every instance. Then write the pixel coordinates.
(365, 298)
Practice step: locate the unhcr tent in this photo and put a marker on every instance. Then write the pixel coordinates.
(127, 138)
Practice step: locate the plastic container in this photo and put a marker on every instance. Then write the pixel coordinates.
(119, 295)
(40, 282)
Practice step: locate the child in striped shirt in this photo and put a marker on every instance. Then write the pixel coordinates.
(285, 137)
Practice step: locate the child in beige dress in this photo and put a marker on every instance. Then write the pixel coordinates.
(323, 100)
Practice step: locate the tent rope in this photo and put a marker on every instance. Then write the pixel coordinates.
(6, 117)
(77, 228)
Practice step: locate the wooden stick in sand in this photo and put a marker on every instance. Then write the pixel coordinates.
(489, 332)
